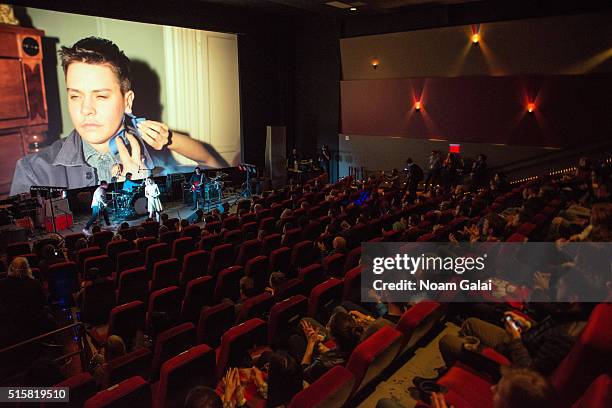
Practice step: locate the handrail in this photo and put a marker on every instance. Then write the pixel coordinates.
(40, 337)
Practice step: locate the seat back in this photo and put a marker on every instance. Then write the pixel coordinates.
(125, 320)
(170, 343)
(133, 392)
(256, 306)
(98, 301)
(133, 285)
(85, 253)
(81, 387)
(236, 343)
(303, 254)
(311, 276)
(198, 293)
(372, 356)
(181, 247)
(417, 321)
(154, 254)
(164, 308)
(289, 288)
(352, 259)
(214, 321)
(599, 393)
(102, 262)
(151, 227)
(145, 242)
(194, 265)
(129, 260)
(192, 231)
(590, 356)
(165, 273)
(332, 390)
(228, 283)
(179, 374)
(352, 285)
(114, 248)
(248, 250)
(257, 268)
(270, 243)
(333, 264)
(134, 363)
(221, 257)
(324, 298)
(285, 318)
(280, 260)
(169, 237)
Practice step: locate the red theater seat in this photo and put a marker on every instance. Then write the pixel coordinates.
(133, 285)
(169, 237)
(102, 238)
(280, 260)
(248, 250)
(144, 243)
(287, 289)
(154, 254)
(181, 247)
(129, 260)
(284, 318)
(134, 363)
(80, 388)
(98, 301)
(165, 304)
(133, 392)
(332, 390)
(85, 253)
(303, 254)
(333, 264)
(178, 375)
(192, 231)
(238, 341)
(194, 266)
(228, 283)
(416, 322)
(324, 298)
(599, 393)
(221, 257)
(372, 356)
(270, 243)
(257, 268)
(256, 306)
(170, 343)
(114, 248)
(165, 273)
(214, 321)
(102, 262)
(352, 259)
(62, 282)
(311, 276)
(199, 292)
(352, 285)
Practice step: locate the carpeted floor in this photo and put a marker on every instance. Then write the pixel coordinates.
(422, 364)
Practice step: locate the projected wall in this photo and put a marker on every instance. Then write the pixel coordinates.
(183, 99)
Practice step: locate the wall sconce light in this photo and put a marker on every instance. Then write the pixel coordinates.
(375, 62)
(475, 38)
(417, 105)
(530, 107)
(475, 34)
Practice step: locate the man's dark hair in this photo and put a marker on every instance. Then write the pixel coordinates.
(164, 217)
(202, 397)
(409, 160)
(99, 51)
(128, 175)
(247, 286)
(104, 183)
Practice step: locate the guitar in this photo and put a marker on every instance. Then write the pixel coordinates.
(195, 186)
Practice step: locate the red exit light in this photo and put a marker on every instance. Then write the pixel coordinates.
(454, 148)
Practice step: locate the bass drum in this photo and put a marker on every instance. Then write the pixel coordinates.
(140, 206)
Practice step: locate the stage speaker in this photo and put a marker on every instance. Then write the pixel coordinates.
(276, 160)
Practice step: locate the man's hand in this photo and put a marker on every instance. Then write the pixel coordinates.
(155, 134)
(512, 330)
(132, 163)
(541, 280)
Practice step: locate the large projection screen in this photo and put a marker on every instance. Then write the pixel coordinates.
(184, 78)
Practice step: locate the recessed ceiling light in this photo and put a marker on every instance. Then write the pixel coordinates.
(353, 9)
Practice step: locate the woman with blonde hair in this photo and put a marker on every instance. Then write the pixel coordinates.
(152, 193)
(24, 300)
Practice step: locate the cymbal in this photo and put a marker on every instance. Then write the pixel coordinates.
(113, 193)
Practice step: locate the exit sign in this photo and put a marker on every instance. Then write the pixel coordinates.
(454, 148)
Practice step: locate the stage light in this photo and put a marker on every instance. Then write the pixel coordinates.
(417, 105)
(375, 62)
(530, 107)
(475, 38)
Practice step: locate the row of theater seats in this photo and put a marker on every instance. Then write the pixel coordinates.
(171, 374)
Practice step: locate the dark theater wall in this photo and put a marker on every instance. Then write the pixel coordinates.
(567, 110)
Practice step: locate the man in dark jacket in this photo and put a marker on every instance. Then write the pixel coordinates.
(540, 345)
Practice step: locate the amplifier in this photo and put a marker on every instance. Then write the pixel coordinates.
(62, 222)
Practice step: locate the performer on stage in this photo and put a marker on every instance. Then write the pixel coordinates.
(128, 184)
(98, 206)
(324, 158)
(152, 193)
(197, 184)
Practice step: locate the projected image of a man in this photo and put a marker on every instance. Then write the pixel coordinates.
(100, 96)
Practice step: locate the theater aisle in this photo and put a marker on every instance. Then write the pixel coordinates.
(422, 364)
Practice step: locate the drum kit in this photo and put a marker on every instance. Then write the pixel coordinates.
(129, 205)
(211, 191)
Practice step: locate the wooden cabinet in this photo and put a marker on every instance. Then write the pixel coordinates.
(23, 104)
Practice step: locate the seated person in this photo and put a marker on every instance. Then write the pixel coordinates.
(316, 358)
(128, 184)
(247, 290)
(276, 280)
(540, 345)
